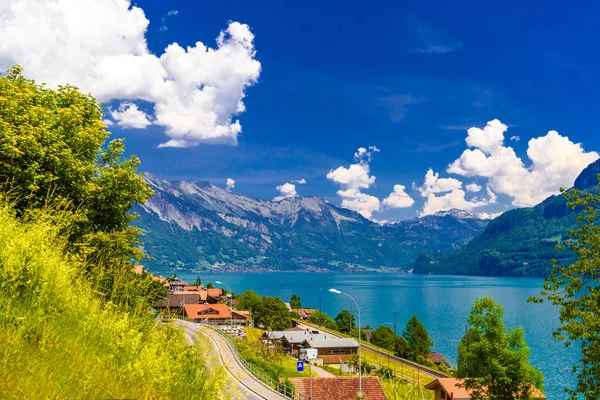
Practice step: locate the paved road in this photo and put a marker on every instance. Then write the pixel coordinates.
(426, 371)
(320, 371)
(251, 388)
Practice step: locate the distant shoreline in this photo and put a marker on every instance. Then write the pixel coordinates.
(353, 272)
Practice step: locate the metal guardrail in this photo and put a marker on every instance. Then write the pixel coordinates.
(257, 374)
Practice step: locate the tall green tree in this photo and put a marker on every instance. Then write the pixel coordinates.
(295, 302)
(273, 314)
(417, 340)
(52, 144)
(322, 319)
(249, 300)
(198, 281)
(384, 337)
(55, 156)
(345, 321)
(576, 290)
(494, 361)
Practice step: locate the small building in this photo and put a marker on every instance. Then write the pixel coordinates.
(304, 313)
(208, 313)
(438, 359)
(331, 349)
(176, 286)
(241, 317)
(178, 299)
(338, 388)
(213, 296)
(450, 389)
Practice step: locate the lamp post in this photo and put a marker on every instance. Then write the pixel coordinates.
(360, 393)
(230, 301)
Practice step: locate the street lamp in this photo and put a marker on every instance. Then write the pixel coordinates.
(360, 393)
(230, 302)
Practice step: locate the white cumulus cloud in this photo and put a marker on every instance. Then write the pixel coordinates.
(229, 184)
(555, 162)
(398, 198)
(100, 47)
(300, 181)
(444, 194)
(473, 187)
(130, 116)
(354, 199)
(353, 179)
(286, 191)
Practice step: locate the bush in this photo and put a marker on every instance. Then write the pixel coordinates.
(62, 339)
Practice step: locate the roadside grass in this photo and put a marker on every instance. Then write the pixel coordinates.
(397, 390)
(270, 361)
(60, 339)
(397, 367)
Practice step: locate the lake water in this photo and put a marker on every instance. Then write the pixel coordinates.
(442, 303)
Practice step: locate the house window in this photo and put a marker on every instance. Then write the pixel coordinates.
(443, 394)
(336, 352)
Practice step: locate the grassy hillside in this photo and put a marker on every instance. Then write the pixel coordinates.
(520, 242)
(61, 339)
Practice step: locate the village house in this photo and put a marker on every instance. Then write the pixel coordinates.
(241, 317)
(208, 313)
(338, 388)
(331, 349)
(438, 359)
(304, 313)
(176, 286)
(449, 389)
(176, 300)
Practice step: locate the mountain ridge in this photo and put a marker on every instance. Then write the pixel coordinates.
(201, 226)
(520, 242)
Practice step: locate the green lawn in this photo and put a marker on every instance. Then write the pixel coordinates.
(269, 361)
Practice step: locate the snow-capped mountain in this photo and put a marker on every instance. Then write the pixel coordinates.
(462, 214)
(201, 226)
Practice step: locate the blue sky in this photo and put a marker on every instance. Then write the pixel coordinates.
(408, 78)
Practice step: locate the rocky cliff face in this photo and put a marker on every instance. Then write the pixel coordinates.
(200, 226)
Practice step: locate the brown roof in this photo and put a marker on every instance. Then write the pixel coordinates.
(438, 359)
(339, 387)
(178, 299)
(216, 292)
(303, 312)
(242, 313)
(207, 311)
(450, 385)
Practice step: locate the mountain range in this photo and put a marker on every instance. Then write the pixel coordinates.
(199, 226)
(520, 242)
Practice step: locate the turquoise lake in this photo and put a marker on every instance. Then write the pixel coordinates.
(442, 303)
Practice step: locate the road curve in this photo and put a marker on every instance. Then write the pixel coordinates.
(250, 387)
(426, 371)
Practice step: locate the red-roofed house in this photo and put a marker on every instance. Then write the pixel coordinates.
(208, 313)
(338, 388)
(449, 389)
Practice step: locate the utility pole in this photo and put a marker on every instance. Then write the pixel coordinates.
(351, 318)
(395, 349)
